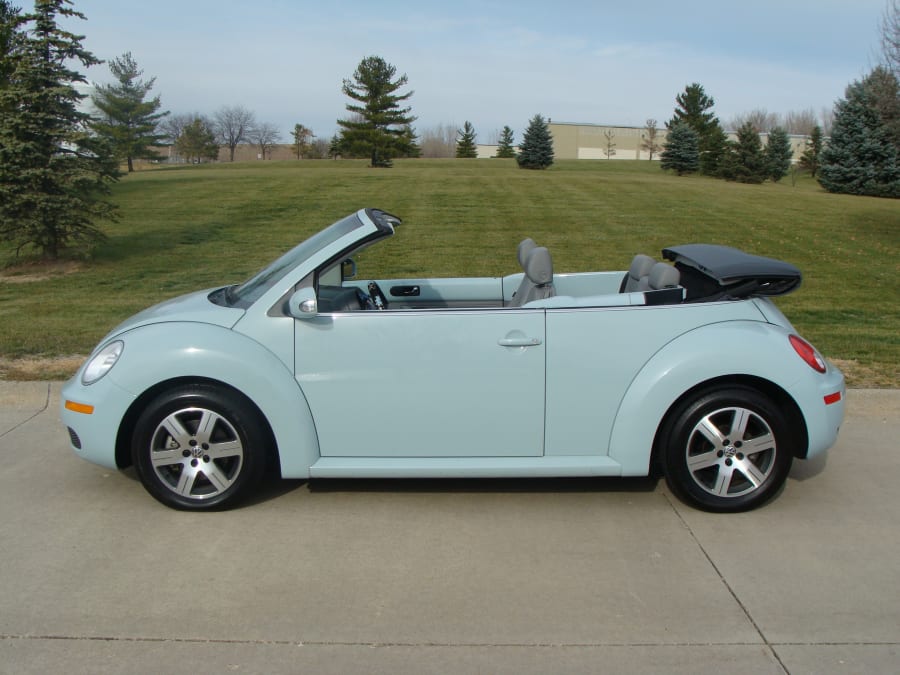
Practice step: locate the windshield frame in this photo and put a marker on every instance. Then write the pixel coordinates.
(245, 294)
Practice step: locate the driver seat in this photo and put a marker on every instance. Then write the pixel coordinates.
(538, 281)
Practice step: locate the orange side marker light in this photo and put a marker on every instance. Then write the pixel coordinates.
(82, 408)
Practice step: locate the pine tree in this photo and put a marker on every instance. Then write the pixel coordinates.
(465, 142)
(536, 150)
(746, 161)
(809, 160)
(884, 88)
(409, 143)
(8, 15)
(54, 174)
(681, 151)
(302, 136)
(198, 141)
(861, 157)
(377, 122)
(506, 149)
(694, 107)
(778, 154)
(128, 121)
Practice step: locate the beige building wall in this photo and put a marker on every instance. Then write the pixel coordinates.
(590, 141)
(600, 141)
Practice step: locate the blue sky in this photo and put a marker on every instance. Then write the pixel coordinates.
(491, 62)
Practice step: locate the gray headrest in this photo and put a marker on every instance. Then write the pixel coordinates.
(526, 246)
(539, 266)
(663, 276)
(640, 266)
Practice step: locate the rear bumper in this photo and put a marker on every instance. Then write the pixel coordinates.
(822, 400)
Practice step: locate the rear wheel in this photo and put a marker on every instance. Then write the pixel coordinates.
(726, 449)
(199, 447)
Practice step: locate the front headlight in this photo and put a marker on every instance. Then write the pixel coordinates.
(102, 362)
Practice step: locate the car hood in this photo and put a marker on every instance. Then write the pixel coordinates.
(191, 308)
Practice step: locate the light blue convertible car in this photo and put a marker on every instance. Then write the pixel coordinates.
(684, 367)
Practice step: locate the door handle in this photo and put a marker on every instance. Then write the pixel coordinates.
(405, 291)
(519, 342)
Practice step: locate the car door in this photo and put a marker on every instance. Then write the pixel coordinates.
(424, 383)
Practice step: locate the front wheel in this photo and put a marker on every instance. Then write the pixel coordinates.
(199, 447)
(726, 449)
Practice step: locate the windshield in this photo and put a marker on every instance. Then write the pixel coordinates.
(252, 290)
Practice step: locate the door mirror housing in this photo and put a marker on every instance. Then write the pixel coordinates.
(303, 304)
(348, 269)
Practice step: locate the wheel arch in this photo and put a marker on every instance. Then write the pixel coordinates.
(159, 357)
(749, 353)
(129, 420)
(785, 402)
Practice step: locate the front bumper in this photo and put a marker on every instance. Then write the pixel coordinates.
(92, 416)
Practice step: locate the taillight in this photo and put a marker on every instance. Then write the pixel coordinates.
(808, 353)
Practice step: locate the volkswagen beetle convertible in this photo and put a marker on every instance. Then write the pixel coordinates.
(683, 366)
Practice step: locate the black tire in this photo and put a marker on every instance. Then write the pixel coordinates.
(200, 448)
(726, 449)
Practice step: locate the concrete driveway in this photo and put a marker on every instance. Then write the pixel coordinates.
(540, 576)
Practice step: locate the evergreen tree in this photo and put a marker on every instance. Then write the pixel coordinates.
(861, 157)
(302, 136)
(713, 151)
(409, 146)
(778, 154)
(465, 142)
(809, 160)
(681, 151)
(694, 107)
(536, 150)
(506, 149)
(336, 146)
(8, 16)
(197, 141)
(746, 161)
(884, 89)
(53, 173)
(377, 122)
(128, 120)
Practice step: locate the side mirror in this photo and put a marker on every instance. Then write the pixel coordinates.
(303, 304)
(348, 269)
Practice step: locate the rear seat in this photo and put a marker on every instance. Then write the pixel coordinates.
(661, 287)
(639, 269)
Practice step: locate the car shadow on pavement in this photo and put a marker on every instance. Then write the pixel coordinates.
(484, 485)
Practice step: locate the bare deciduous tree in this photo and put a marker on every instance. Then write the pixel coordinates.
(264, 136)
(800, 121)
(439, 141)
(610, 148)
(649, 142)
(760, 119)
(890, 36)
(173, 126)
(233, 123)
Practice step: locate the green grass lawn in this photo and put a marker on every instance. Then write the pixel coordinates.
(188, 228)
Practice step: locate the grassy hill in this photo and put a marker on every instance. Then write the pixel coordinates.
(186, 228)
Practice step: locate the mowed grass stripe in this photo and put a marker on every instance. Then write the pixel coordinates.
(186, 228)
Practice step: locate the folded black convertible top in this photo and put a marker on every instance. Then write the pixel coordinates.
(735, 273)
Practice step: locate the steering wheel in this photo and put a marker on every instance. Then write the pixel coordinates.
(377, 296)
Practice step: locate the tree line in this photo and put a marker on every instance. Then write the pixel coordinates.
(57, 162)
(859, 154)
